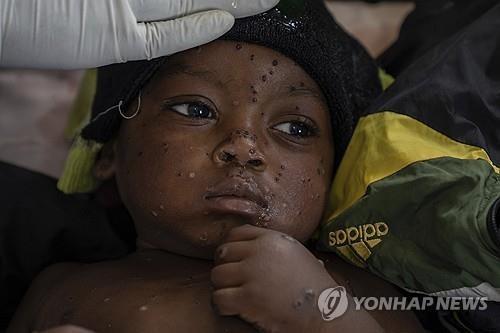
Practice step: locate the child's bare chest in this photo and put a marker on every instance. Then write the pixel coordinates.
(178, 302)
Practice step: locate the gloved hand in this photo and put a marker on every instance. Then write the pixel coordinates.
(71, 34)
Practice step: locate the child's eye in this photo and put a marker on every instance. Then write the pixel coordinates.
(196, 110)
(297, 128)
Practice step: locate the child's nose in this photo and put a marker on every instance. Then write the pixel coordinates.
(240, 148)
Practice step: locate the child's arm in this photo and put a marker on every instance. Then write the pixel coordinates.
(36, 297)
(272, 281)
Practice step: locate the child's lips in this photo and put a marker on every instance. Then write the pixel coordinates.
(232, 204)
(236, 195)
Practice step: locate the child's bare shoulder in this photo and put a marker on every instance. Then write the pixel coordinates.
(39, 294)
(58, 292)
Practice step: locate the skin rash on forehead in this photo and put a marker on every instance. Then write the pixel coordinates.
(227, 134)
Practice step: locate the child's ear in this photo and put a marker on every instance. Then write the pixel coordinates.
(104, 167)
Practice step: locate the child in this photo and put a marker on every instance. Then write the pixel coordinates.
(223, 153)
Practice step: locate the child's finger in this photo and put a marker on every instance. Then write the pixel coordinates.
(232, 252)
(228, 301)
(244, 232)
(227, 275)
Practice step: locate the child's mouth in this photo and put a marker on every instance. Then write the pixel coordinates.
(232, 204)
(236, 195)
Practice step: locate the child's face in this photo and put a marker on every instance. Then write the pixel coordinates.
(228, 134)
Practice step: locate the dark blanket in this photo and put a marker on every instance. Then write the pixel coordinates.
(40, 226)
(430, 23)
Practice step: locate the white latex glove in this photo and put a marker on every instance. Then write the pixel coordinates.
(72, 34)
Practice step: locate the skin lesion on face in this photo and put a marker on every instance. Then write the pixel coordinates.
(225, 136)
